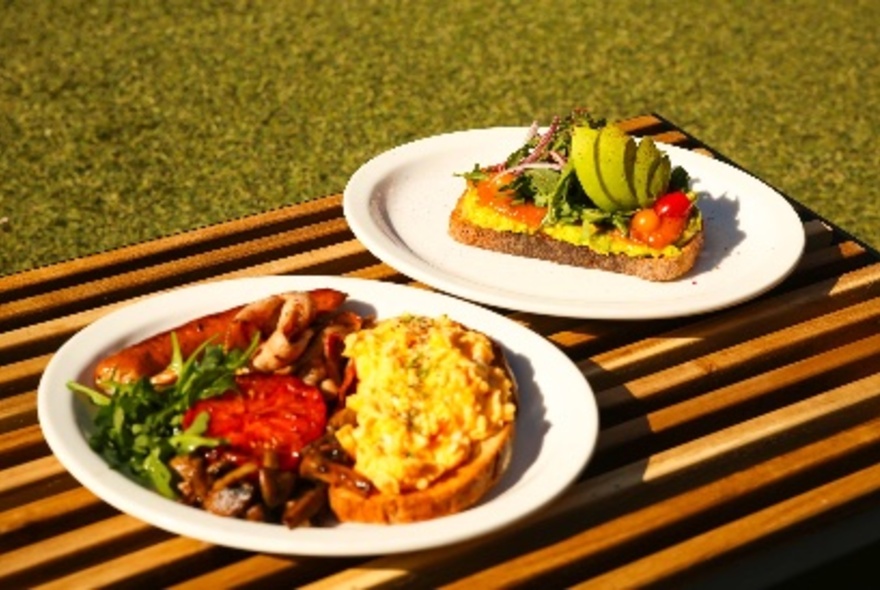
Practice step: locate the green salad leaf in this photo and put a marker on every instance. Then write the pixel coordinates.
(557, 187)
(139, 425)
(679, 180)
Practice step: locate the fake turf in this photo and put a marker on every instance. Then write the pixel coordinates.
(122, 121)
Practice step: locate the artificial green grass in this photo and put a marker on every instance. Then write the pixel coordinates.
(123, 121)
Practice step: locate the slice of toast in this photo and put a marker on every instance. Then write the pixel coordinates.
(454, 492)
(542, 246)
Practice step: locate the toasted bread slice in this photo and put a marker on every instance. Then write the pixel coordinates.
(454, 492)
(542, 246)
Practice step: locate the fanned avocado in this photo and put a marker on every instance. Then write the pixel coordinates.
(585, 156)
(659, 180)
(617, 155)
(616, 173)
(648, 158)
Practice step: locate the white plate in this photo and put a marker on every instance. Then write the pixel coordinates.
(556, 428)
(398, 206)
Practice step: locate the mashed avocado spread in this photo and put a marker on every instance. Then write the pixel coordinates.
(588, 234)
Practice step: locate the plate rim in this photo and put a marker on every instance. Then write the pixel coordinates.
(91, 470)
(359, 197)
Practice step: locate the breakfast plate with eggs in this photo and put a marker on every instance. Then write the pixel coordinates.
(552, 436)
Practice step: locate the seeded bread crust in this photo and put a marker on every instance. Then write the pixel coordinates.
(546, 248)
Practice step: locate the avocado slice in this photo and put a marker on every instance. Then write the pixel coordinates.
(659, 180)
(585, 157)
(648, 157)
(617, 156)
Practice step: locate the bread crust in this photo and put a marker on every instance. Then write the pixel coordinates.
(544, 247)
(453, 493)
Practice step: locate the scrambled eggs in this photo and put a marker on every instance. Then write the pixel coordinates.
(428, 391)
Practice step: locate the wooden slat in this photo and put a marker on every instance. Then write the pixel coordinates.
(42, 511)
(169, 246)
(24, 373)
(248, 571)
(167, 273)
(671, 137)
(376, 272)
(833, 255)
(717, 444)
(30, 473)
(16, 441)
(113, 530)
(151, 560)
(340, 258)
(739, 355)
(786, 514)
(722, 400)
(17, 410)
(639, 124)
(731, 326)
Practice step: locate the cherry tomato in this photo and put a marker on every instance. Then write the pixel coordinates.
(268, 412)
(669, 231)
(673, 205)
(643, 224)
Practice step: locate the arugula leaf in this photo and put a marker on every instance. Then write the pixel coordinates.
(139, 426)
(679, 180)
(191, 439)
(475, 175)
(516, 156)
(620, 220)
(559, 207)
(535, 185)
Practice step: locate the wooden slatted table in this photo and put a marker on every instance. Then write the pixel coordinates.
(740, 446)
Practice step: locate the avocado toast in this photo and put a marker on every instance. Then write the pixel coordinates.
(584, 193)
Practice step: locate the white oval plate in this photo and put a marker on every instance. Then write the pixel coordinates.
(557, 424)
(398, 205)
